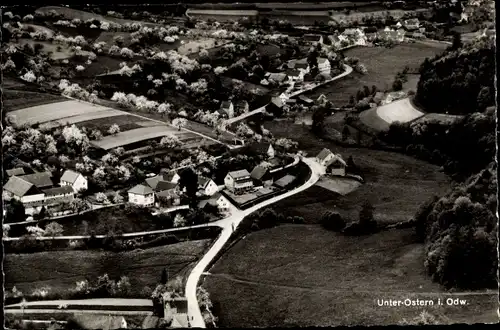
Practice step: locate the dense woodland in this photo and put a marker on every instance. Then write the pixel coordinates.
(461, 80)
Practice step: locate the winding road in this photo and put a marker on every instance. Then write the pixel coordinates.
(194, 312)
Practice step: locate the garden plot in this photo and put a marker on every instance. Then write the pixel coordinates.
(86, 117)
(137, 135)
(16, 99)
(342, 186)
(54, 111)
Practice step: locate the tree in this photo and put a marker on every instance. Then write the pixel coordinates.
(179, 122)
(397, 85)
(366, 213)
(332, 221)
(164, 276)
(114, 129)
(189, 181)
(457, 41)
(15, 211)
(345, 133)
(179, 221)
(53, 229)
(170, 141)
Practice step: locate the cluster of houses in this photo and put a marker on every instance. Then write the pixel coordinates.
(295, 71)
(38, 189)
(333, 163)
(229, 110)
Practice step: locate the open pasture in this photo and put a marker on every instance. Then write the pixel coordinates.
(304, 275)
(339, 185)
(85, 118)
(60, 270)
(54, 111)
(56, 54)
(140, 134)
(382, 117)
(395, 184)
(19, 99)
(38, 28)
(382, 65)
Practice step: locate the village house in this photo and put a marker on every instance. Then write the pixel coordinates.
(28, 188)
(141, 195)
(168, 198)
(337, 166)
(411, 24)
(242, 107)
(170, 176)
(324, 65)
(314, 38)
(278, 78)
(226, 109)
(75, 180)
(58, 195)
(285, 182)
(325, 157)
(165, 190)
(238, 181)
(276, 105)
(295, 74)
(176, 309)
(217, 200)
(261, 176)
(207, 186)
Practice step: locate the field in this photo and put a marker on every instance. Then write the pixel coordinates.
(141, 134)
(54, 111)
(39, 28)
(303, 275)
(339, 185)
(88, 118)
(382, 117)
(395, 184)
(382, 65)
(125, 121)
(439, 117)
(15, 99)
(60, 270)
(49, 47)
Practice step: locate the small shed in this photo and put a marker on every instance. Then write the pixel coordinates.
(285, 182)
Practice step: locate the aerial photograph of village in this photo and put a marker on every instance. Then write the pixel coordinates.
(249, 165)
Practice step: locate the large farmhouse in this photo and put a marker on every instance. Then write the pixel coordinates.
(75, 180)
(238, 181)
(141, 195)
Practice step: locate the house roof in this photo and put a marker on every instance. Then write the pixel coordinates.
(169, 176)
(17, 186)
(70, 176)
(311, 37)
(167, 193)
(140, 189)
(285, 181)
(292, 72)
(337, 159)
(15, 171)
(225, 104)
(274, 161)
(277, 101)
(305, 99)
(180, 320)
(96, 321)
(203, 182)
(164, 185)
(239, 174)
(258, 172)
(58, 191)
(322, 60)
(39, 180)
(324, 153)
(160, 183)
(301, 65)
(279, 77)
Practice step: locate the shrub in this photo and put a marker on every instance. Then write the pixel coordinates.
(332, 221)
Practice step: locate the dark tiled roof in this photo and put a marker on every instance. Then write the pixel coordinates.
(258, 172)
(324, 153)
(17, 186)
(165, 185)
(141, 189)
(58, 191)
(70, 176)
(39, 180)
(225, 104)
(285, 181)
(203, 182)
(239, 174)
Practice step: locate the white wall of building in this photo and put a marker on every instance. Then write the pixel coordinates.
(141, 200)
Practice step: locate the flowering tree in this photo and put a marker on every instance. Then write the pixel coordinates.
(163, 109)
(109, 159)
(121, 98)
(126, 53)
(29, 76)
(286, 144)
(9, 65)
(179, 122)
(72, 134)
(170, 141)
(179, 221)
(80, 68)
(99, 174)
(219, 70)
(53, 229)
(114, 129)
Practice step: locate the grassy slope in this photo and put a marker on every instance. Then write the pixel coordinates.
(60, 270)
(395, 193)
(302, 275)
(15, 100)
(382, 65)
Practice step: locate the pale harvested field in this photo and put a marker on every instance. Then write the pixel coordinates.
(139, 134)
(53, 111)
(401, 110)
(85, 117)
(342, 186)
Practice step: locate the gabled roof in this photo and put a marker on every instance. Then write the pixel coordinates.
(169, 176)
(258, 172)
(279, 77)
(39, 180)
(337, 160)
(140, 189)
(15, 171)
(225, 104)
(203, 182)
(239, 174)
(17, 186)
(165, 185)
(305, 99)
(322, 60)
(160, 183)
(323, 154)
(180, 320)
(285, 181)
(58, 191)
(70, 176)
(311, 37)
(277, 102)
(167, 193)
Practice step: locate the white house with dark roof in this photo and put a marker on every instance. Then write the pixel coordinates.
(171, 176)
(207, 186)
(57, 195)
(238, 181)
(262, 176)
(325, 157)
(227, 109)
(24, 191)
(337, 166)
(75, 180)
(141, 195)
(324, 65)
(176, 308)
